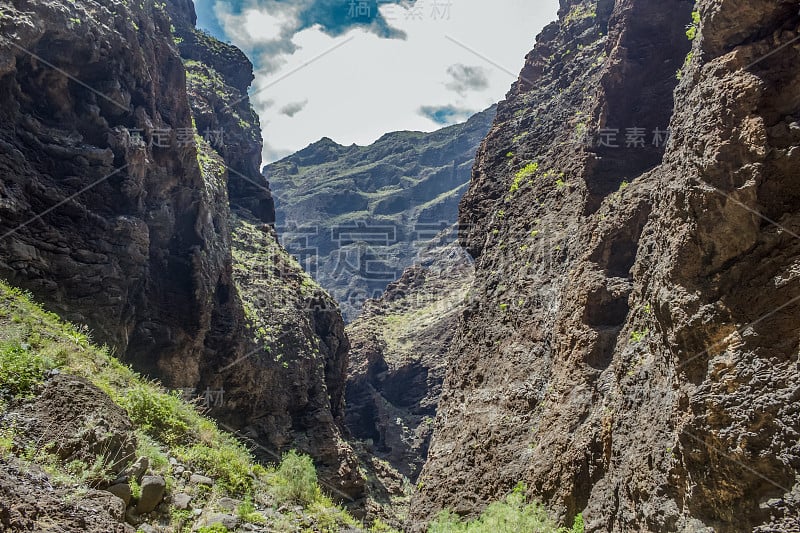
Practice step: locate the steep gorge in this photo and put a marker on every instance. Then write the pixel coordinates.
(357, 216)
(626, 346)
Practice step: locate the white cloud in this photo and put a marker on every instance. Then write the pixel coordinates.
(369, 85)
(466, 78)
(293, 108)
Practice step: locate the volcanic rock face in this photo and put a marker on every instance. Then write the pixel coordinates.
(631, 350)
(117, 215)
(358, 215)
(397, 362)
(107, 227)
(397, 365)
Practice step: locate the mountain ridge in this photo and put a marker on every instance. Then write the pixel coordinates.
(396, 193)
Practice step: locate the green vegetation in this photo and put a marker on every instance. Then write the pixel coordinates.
(216, 528)
(691, 29)
(517, 138)
(525, 173)
(32, 341)
(20, 369)
(247, 512)
(514, 513)
(638, 336)
(162, 416)
(580, 12)
(228, 462)
(295, 482)
(686, 62)
(600, 59)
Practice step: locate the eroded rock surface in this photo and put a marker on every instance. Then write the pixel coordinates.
(631, 350)
(397, 364)
(128, 153)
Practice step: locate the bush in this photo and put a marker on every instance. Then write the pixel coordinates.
(296, 480)
(216, 528)
(527, 171)
(247, 512)
(691, 29)
(20, 369)
(510, 515)
(227, 462)
(162, 416)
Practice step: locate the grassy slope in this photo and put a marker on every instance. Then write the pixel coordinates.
(33, 341)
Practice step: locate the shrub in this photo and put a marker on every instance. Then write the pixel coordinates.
(228, 462)
(216, 528)
(247, 512)
(527, 171)
(691, 29)
(162, 416)
(296, 480)
(20, 369)
(686, 61)
(512, 514)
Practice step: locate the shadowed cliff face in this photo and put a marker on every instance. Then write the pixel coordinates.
(631, 350)
(397, 365)
(117, 213)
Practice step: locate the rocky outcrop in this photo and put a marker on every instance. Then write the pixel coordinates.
(280, 351)
(398, 358)
(357, 216)
(76, 422)
(105, 215)
(630, 352)
(397, 365)
(28, 502)
(218, 76)
(294, 357)
(124, 168)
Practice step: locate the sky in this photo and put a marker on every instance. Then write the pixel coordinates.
(353, 70)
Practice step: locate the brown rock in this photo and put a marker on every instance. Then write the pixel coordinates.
(153, 488)
(121, 491)
(631, 349)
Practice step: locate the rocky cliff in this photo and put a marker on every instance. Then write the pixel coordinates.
(357, 216)
(397, 366)
(397, 362)
(631, 349)
(131, 202)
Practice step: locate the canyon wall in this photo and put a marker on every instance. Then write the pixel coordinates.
(630, 351)
(131, 201)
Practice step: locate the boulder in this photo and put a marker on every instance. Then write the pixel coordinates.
(197, 479)
(181, 501)
(153, 488)
(121, 491)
